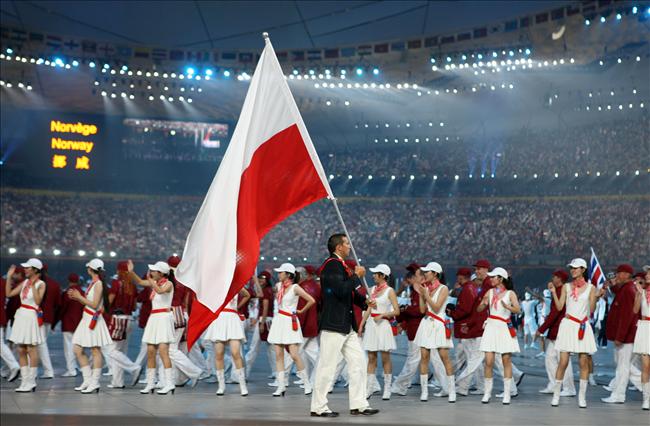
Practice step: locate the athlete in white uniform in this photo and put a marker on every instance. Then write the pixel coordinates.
(528, 305)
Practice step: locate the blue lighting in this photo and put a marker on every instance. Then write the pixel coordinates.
(190, 71)
(359, 71)
(226, 73)
(618, 16)
(208, 72)
(10, 50)
(295, 72)
(602, 19)
(527, 51)
(375, 71)
(91, 64)
(634, 10)
(343, 72)
(587, 22)
(75, 63)
(448, 59)
(480, 56)
(647, 11)
(494, 54)
(59, 62)
(511, 53)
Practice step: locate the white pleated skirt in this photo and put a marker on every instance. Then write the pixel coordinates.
(25, 330)
(281, 332)
(87, 338)
(227, 326)
(567, 338)
(431, 335)
(642, 338)
(159, 329)
(496, 338)
(378, 336)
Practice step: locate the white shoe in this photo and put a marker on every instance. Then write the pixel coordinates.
(69, 374)
(424, 388)
(221, 379)
(540, 355)
(556, 393)
(13, 374)
(85, 373)
(567, 393)
(612, 400)
(150, 377)
(168, 381)
(546, 390)
(241, 376)
(441, 394)
(488, 391)
(607, 388)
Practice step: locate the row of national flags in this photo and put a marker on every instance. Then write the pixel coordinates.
(65, 45)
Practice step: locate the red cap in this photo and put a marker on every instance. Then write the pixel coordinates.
(412, 267)
(640, 275)
(122, 266)
(311, 270)
(351, 263)
(19, 270)
(267, 275)
(73, 278)
(625, 268)
(466, 272)
(562, 275)
(482, 263)
(173, 261)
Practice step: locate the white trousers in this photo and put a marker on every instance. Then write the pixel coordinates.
(473, 366)
(68, 352)
(460, 357)
(44, 351)
(179, 360)
(403, 380)
(308, 351)
(195, 355)
(141, 359)
(626, 371)
(332, 345)
(551, 362)
(5, 353)
(530, 327)
(118, 362)
(253, 350)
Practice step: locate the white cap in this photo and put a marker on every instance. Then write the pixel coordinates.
(160, 266)
(498, 272)
(473, 277)
(433, 267)
(95, 264)
(33, 263)
(286, 267)
(547, 292)
(382, 269)
(578, 263)
(646, 268)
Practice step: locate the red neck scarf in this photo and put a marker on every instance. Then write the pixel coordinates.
(432, 286)
(29, 284)
(378, 289)
(576, 284)
(283, 288)
(159, 284)
(497, 295)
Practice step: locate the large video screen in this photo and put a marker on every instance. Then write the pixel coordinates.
(147, 139)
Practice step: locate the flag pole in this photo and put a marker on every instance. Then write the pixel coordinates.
(347, 234)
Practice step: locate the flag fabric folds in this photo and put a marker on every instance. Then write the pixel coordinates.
(270, 170)
(596, 275)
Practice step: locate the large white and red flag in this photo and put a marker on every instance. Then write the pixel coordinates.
(270, 170)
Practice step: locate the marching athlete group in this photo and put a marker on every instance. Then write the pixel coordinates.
(326, 329)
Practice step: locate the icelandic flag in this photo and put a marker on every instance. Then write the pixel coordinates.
(596, 275)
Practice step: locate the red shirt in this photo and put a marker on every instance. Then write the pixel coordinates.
(411, 316)
(309, 318)
(70, 311)
(123, 301)
(267, 294)
(478, 318)
(13, 303)
(621, 320)
(464, 313)
(358, 313)
(145, 309)
(552, 321)
(178, 299)
(51, 300)
(3, 301)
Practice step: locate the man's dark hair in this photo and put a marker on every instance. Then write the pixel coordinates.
(334, 241)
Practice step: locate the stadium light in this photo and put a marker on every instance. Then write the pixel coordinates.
(331, 177)
(226, 73)
(81, 253)
(602, 19)
(359, 71)
(618, 16)
(369, 177)
(618, 173)
(435, 177)
(375, 71)
(56, 252)
(99, 253)
(634, 10)
(349, 177)
(112, 254)
(190, 71)
(412, 177)
(37, 251)
(456, 177)
(535, 176)
(392, 177)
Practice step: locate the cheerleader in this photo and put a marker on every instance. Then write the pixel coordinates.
(159, 331)
(378, 335)
(434, 331)
(499, 335)
(642, 337)
(575, 334)
(91, 332)
(228, 328)
(26, 329)
(285, 328)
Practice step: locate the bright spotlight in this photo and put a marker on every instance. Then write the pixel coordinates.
(359, 71)
(100, 253)
(12, 250)
(369, 177)
(375, 71)
(112, 254)
(59, 62)
(618, 16)
(81, 253)
(349, 176)
(37, 251)
(392, 177)
(602, 19)
(456, 177)
(208, 72)
(190, 71)
(56, 252)
(226, 73)
(412, 177)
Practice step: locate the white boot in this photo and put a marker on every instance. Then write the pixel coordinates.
(582, 394)
(487, 393)
(388, 379)
(592, 381)
(556, 393)
(424, 387)
(451, 384)
(372, 385)
(85, 373)
(305, 381)
(646, 396)
(169, 382)
(151, 379)
(25, 381)
(241, 375)
(507, 384)
(94, 381)
(281, 389)
(221, 382)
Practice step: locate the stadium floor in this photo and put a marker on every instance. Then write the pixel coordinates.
(55, 403)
